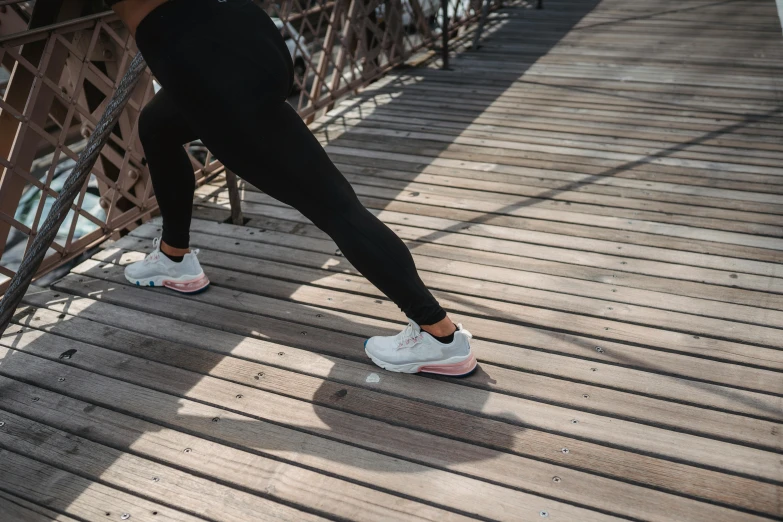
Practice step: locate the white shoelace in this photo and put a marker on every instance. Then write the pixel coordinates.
(409, 336)
(155, 254)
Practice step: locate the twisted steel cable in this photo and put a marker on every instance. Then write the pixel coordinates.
(59, 211)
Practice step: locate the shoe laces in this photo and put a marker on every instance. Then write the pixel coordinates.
(410, 335)
(155, 254)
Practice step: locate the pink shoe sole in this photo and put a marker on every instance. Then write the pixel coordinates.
(454, 370)
(188, 287)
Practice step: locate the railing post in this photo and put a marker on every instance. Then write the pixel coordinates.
(482, 20)
(421, 20)
(332, 36)
(540, 4)
(234, 199)
(346, 42)
(444, 5)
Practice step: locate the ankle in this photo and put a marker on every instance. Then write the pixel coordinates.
(442, 328)
(176, 259)
(171, 251)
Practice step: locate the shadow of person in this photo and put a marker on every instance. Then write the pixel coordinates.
(233, 367)
(330, 417)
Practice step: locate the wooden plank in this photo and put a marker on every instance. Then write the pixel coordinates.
(517, 116)
(746, 131)
(240, 469)
(572, 96)
(699, 181)
(278, 232)
(605, 461)
(13, 508)
(585, 132)
(621, 94)
(457, 456)
(701, 369)
(644, 221)
(592, 371)
(751, 126)
(584, 371)
(517, 110)
(205, 398)
(549, 390)
(628, 178)
(548, 198)
(512, 76)
(409, 213)
(472, 278)
(517, 100)
(567, 106)
(81, 498)
(385, 104)
(612, 175)
(500, 318)
(567, 53)
(644, 167)
(424, 79)
(392, 119)
(559, 190)
(639, 222)
(444, 285)
(225, 316)
(722, 271)
(131, 473)
(422, 203)
(649, 74)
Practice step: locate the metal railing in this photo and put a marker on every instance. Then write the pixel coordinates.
(64, 66)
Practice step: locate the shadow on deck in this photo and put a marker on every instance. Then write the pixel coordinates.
(605, 220)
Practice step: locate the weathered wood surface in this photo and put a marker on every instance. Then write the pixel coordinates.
(596, 193)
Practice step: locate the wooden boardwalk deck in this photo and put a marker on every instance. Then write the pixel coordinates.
(595, 193)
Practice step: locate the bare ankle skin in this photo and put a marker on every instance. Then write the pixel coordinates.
(170, 250)
(442, 328)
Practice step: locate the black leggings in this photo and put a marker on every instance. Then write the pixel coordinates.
(225, 74)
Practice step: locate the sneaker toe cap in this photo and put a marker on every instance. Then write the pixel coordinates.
(135, 271)
(375, 346)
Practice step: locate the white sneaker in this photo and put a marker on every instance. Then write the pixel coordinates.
(158, 270)
(413, 350)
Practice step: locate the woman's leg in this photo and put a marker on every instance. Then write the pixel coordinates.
(276, 152)
(163, 132)
(237, 107)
